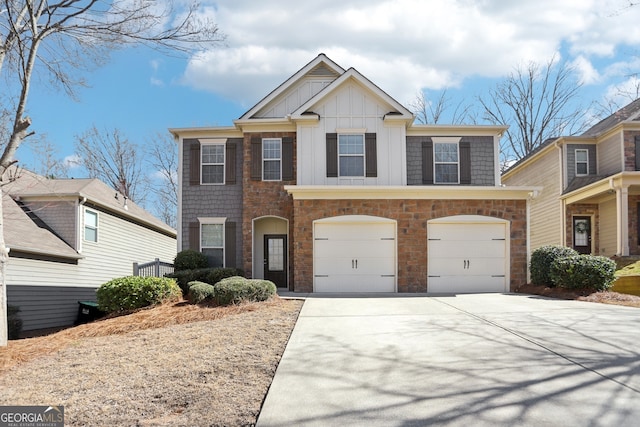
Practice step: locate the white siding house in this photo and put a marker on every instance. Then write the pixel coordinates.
(67, 237)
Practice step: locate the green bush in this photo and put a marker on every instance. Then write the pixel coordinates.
(132, 292)
(189, 260)
(236, 289)
(199, 292)
(14, 322)
(206, 275)
(583, 271)
(542, 259)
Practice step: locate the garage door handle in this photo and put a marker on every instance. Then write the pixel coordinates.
(499, 239)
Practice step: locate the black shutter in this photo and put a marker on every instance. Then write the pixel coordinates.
(332, 155)
(371, 155)
(287, 158)
(194, 236)
(465, 162)
(256, 158)
(194, 163)
(230, 163)
(637, 141)
(230, 244)
(427, 162)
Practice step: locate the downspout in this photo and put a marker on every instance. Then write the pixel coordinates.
(532, 195)
(563, 203)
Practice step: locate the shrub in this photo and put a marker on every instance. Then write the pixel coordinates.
(14, 322)
(132, 292)
(190, 260)
(236, 289)
(583, 271)
(206, 275)
(199, 292)
(541, 260)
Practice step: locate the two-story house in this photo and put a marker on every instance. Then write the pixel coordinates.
(590, 197)
(327, 185)
(66, 237)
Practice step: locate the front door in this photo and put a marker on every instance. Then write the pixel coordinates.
(275, 259)
(582, 234)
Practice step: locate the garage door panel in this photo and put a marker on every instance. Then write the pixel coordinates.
(441, 249)
(354, 266)
(465, 284)
(350, 249)
(348, 283)
(354, 232)
(466, 232)
(477, 266)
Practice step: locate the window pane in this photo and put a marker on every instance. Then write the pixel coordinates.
(447, 173)
(214, 256)
(581, 155)
(90, 219)
(212, 235)
(212, 174)
(446, 152)
(271, 170)
(213, 153)
(271, 149)
(350, 144)
(352, 166)
(276, 254)
(581, 169)
(91, 234)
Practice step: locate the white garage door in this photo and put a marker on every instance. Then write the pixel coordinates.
(468, 256)
(354, 254)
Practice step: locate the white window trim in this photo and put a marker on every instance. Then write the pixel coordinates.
(457, 163)
(272, 160)
(576, 161)
(214, 221)
(363, 155)
(84, 225)
(223, 142)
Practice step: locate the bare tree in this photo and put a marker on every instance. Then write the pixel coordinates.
(47, 160)
(433, 112)
(112, 158)
(537, 102)
(163, 159)
(61, 37)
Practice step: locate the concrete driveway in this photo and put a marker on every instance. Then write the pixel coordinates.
(460, 360)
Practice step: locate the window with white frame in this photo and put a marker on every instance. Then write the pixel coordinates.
(212, 242)
(446, 163)
(351, 155)
(90, 226)
(212, 163)
(582, 162)
(271, 159)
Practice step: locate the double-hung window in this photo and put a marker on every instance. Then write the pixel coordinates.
(213, 163)
(272, 159)
(351, 155)
(446, 162)
(212, 242)
(90, 226)
(582, 162)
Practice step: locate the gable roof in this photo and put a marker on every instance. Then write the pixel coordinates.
(320, 64)
(628, 113)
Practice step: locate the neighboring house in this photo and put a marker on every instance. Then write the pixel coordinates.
(67, 237)
(327, 185)
(590, 197)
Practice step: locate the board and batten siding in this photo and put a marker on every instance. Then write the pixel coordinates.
(608, 228)
(610, 158)
(546, 208)
(351, 107)
(296, 96)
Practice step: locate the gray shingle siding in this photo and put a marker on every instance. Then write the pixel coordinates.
(212, 200)
(571, 159)
(482, 160)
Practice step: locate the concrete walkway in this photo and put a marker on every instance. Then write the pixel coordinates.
(464, 360)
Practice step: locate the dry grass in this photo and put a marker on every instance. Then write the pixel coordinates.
(605, 297)
(177, 364)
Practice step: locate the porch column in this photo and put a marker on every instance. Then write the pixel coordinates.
(622, 206)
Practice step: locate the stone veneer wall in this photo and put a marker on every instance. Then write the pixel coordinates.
(264, 198)
(634, 239)
(412, 217)
(630, 150)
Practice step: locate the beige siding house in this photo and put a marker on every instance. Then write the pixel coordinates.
(590, 197)
(67, 237)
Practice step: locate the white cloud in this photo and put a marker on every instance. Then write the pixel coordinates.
(403, 45)
(586, 71)
(72, 161)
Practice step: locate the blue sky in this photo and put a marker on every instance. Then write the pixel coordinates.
(403, 46)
